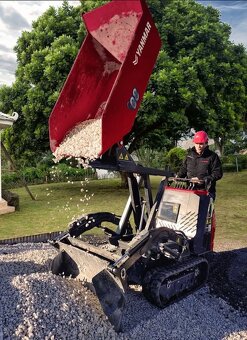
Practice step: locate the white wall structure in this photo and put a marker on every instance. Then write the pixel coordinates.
(5, 122)
(102, 174)
(187, 141)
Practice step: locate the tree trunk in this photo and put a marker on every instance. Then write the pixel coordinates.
(14, 168)
(124, 180)
(219, 146)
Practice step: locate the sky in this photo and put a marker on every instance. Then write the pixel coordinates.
(17, 16)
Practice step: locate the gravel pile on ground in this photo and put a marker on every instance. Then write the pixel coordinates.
(228, 276)
(36, 304)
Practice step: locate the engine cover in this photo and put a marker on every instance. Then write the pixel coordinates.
(187, 211)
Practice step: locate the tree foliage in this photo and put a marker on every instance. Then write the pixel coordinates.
(44, 58)
(199, 80)
(174, 158)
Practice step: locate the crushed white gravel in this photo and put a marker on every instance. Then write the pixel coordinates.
(84, 140)
(35, 304)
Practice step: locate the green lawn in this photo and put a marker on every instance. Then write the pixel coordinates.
(231, 207)
(57, 204)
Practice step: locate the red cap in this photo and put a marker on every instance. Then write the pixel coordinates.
(200, 137)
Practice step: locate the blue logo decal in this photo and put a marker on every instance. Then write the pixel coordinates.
(132, 103)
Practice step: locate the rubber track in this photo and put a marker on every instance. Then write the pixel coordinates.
(154, 278)
(32, 238)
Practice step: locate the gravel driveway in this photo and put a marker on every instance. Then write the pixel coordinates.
(38, 305)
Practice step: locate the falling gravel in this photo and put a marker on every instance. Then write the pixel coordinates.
(35, 304)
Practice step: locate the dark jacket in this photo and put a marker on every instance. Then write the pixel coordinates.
(206, 166)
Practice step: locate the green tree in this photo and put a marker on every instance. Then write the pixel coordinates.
(44, 58)
(174, 158)
(199, 80)
(235, 145)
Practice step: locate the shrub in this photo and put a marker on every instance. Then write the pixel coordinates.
(30, 175)
(150, 158)
(63, 172)
(242, 161)
(34, 175)
(229, 167)
(10, 180)
(233, 160)
(43, 174)
(174, 158)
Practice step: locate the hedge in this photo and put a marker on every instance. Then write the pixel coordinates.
(174, 158)
(63, 172)
(228, 167)
(40, 174)
(230, 163)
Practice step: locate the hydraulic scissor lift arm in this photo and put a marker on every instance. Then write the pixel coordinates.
(118, 159)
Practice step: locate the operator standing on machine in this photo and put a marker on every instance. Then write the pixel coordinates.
(202, 164)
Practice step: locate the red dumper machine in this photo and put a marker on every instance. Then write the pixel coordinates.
(164, 248)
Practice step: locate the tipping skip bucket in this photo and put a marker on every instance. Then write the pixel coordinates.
(110, 73)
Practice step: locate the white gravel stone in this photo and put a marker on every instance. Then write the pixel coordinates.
(35, 304)
(84, 140)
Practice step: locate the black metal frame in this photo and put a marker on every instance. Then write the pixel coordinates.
(111, 272)
(118, 159)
